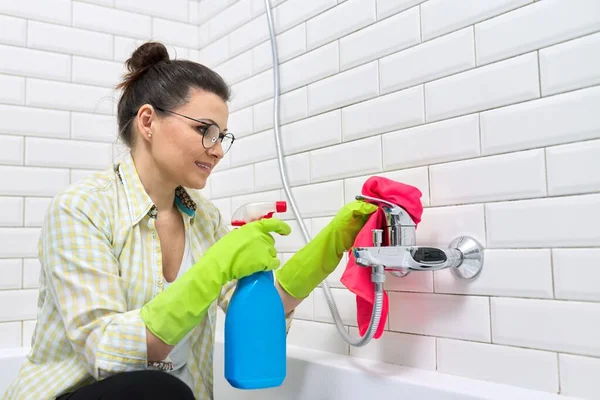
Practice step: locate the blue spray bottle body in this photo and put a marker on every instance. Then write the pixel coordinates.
(255, 327)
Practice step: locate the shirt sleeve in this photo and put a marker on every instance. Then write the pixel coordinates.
(83, 276)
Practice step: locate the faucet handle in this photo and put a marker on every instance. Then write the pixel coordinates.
(377, 237)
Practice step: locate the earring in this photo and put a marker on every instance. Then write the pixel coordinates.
(150, 135)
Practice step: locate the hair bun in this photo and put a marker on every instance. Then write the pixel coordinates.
(146, 56)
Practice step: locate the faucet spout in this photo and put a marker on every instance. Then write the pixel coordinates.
(414, 258)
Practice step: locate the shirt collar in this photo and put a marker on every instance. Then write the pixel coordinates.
(140, 204)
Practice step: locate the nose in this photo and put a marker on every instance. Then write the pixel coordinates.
(216, 151)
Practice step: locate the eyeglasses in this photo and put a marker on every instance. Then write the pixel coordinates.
(210, 133)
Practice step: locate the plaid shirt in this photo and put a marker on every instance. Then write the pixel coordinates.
(101, 262)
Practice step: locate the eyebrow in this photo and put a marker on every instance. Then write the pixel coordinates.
(212, 122)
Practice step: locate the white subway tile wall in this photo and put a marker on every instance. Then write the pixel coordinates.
(489, 108)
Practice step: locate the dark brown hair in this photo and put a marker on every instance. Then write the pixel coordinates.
(155, 79)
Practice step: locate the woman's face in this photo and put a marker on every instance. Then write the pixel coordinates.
(176, 141)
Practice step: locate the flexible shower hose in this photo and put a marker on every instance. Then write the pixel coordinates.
(378, 273)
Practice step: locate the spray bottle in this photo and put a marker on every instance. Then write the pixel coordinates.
(255, 335)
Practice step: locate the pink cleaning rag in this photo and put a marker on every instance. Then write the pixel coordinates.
(357, 278)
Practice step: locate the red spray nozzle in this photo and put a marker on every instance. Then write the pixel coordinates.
(254, 211)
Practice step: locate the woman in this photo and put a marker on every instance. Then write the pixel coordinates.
(135, 261)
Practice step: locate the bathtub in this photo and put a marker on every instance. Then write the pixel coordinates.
(317, 375)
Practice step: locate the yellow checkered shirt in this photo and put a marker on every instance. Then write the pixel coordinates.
(101, 262)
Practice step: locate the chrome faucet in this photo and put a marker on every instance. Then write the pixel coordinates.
(395, 248)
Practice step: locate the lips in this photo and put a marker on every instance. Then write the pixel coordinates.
(204, 166)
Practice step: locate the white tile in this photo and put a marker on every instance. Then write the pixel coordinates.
(252, 90)
(67, 153)
(55, 11)
(100, 128)
(10, 335)
(109, 20)
(329, 194)
(25, 121)
(229, 19)
(421, 282)
(30, 181)
(124, 47)
(232, 181)
(564, 326)
(440, 225)
(11, 270)
(543, 222)
(579, 376)
(13, 30)
(571, 65)
(210, 8)
(267, 174)
(318, 224)
(426, 62)
(290, 44)
(249, 35)
(240, 122)
(570, 168)
(532, 369)
(345, 88)
(35, 210)
(73, 97)
(258, 6)
(193, 16)
(442, 16)
(310, 67)
(345, 301)
(31, 273)
(109, 3)
(492, 86)
(339, 22)
(293, 106)
(253, 148)
(27, 301)
(457, 317)
(176, 9)
(215, 53)
(236, 69)
(63, 39)
(176, 33)
(365, 155)
(417, 177)
(538, 25)
(294, 12)
(380, 39)
(311, 133)
(386, 8)
(576, 274)
(35, 63)
(383, 114)
(11, 150)
(505, 177)
(11, 211)
(28, 330)
(497, 278)
(557, 119)
(292, 242)
(452, 139)
(97, 72)
(316, 335)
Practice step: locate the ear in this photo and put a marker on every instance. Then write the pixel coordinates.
(146, 116)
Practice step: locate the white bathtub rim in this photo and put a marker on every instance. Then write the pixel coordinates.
(374, 370)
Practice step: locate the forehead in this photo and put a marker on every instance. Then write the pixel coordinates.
(206, 105)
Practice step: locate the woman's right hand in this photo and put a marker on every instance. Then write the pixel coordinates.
(246, 250)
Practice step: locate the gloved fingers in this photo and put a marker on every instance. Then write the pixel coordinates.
(275, 225)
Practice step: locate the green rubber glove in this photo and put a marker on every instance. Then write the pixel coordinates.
(319, 258)
(174, 312)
